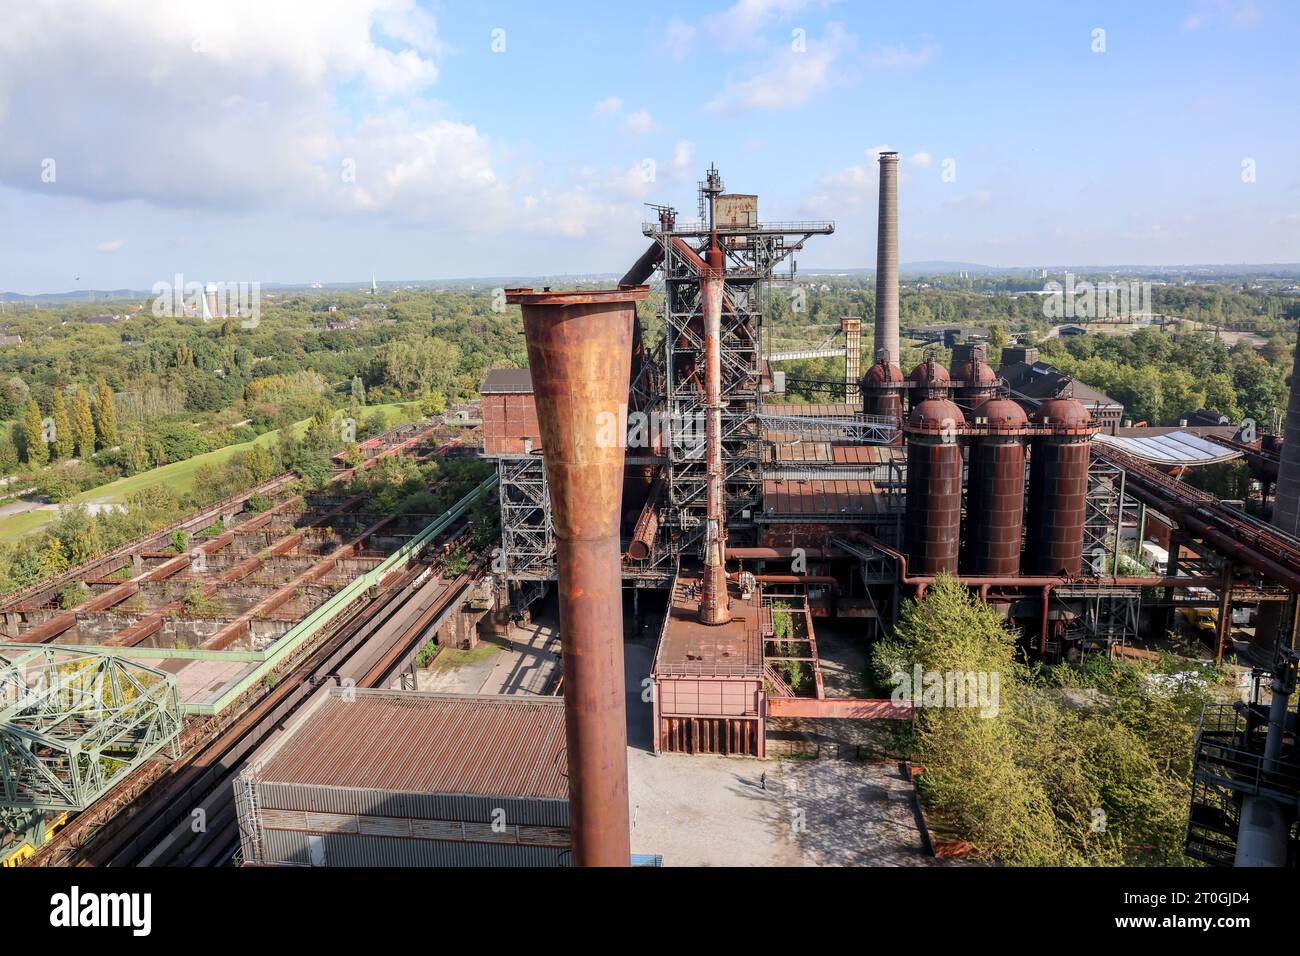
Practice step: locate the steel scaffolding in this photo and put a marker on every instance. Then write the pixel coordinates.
(72, 723)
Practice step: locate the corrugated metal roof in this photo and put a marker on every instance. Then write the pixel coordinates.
(425, 743)
(821, 497)
(1171, 448)
(506, 380)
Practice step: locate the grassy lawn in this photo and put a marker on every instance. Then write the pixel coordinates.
(178, 475)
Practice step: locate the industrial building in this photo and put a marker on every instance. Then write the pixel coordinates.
(383, 778)
(750, 517)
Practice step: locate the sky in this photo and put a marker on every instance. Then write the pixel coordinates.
(307, 141)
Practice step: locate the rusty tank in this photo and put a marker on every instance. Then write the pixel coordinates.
(978, 380)
(579, 354)
(932, 520)
(995, 494)
(928, 380)
(1058, 488)
(882, 390)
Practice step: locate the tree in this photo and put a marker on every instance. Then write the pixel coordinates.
(137, 452)
(83, 424)
(38, 452)
(64, 441)
(105, 415)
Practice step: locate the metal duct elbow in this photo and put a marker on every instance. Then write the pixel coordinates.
(579, 353)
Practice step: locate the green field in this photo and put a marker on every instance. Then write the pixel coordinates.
(178, 475)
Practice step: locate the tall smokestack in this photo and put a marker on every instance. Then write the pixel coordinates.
(714, 600)
(211, 292)
(579, 353)
(887, 261)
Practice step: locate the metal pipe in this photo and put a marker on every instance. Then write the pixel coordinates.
(1034, 581)
(780, 554)
(1262, 835)
(887, 261)
(714, 599)
(647, 525)
(579, 353)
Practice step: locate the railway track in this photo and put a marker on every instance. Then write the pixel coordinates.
(187, 818)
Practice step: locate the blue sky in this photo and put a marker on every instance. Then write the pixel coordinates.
(296, 142)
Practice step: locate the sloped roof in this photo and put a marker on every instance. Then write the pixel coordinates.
(1171, 448)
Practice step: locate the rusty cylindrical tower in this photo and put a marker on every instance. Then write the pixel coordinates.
(882, 389)
(1058, 488)
(579, 353)
(932, 520)
(887, 260)
(714, 601)
(995, 494)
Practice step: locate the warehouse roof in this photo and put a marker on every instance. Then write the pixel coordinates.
(413, 742)
(507, 381)
(1171, 448)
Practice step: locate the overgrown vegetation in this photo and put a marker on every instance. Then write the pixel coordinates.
(1099, 778)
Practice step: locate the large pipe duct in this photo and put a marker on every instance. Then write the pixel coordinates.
(1270, 626)
(887, 261)
(579, 353)
(714, 600)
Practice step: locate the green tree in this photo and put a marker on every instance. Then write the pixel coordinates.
(105, 415)
(64, 442)
(137, 452)
(38, 452)
(83, 424)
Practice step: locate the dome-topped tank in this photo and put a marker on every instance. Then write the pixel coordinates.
(978, 379)
(882, 389)
(995, 495)
(1058, 488)
(932, 520)
(928, 379)
(1063, 413)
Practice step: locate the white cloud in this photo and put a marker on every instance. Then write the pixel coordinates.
(790, 80)
(740, 24)
(679, 37)
(242, 104)
(921, 160)
(610, 104)
(641, 122)
(111, 245)
(683, 157)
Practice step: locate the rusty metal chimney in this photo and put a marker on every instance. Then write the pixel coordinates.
(715, 602)
(579, 353)
(887, 261)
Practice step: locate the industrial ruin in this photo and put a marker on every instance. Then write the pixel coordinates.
(745, 519)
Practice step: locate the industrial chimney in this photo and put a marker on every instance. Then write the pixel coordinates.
(211, 292)
(579, 353)
(887, 261)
